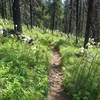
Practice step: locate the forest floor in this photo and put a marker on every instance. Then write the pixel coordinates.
(56, 78)
(24, 68)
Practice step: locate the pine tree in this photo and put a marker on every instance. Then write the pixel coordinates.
(17, 16)
(66, 16)
(4, 10)
(88, 24)
(55, 13)
(77, 20)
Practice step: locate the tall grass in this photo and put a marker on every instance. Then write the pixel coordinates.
(81, 72)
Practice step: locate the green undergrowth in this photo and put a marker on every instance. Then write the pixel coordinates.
(23, 67)
(81, 70)
(23, 70)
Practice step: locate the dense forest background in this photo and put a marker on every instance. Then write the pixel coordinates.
(49, 49)
(80, 17)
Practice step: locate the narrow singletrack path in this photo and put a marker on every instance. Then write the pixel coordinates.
(56, 78)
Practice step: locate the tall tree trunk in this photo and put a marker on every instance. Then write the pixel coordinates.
(80, 17)
(97, 21)
(26, 17)
(88, 24)
(31, 14)
(11, 5)
(17, 16)
(53, 17)
(53, 21)
(77, 20)
(70, 17)
(4, 11)
(66, 17)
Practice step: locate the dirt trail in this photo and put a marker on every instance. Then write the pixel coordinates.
(56, 78)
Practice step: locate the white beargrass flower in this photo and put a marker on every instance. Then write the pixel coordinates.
(92, 39)
(24, 39)
(88, 44)
(15, 25)
(82, 50)
(98, 43)
(12, 35)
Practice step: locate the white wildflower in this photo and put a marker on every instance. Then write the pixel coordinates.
(15, 25)
(88, 44)
(12, 35)
(92, 39)
(25, 39)
(82, 50)
(98, 43)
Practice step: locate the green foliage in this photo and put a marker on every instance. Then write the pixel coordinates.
(23, 68)
(23, 71)
(56, 13)
(81, 71)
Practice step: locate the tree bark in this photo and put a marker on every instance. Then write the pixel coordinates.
(31, 14)
(17, 16)
(4, 11)
(66, 17)
(88, 24)
(77, 20)
(70, 19)
(11, 5)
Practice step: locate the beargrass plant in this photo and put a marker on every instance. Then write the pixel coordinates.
(23, 70)
(81, 70)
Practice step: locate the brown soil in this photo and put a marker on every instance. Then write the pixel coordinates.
(56, 78)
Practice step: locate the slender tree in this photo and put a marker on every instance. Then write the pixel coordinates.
(88, 24)
(31, 14)
(10, 6)
(70, 17)
(77, 20)
(3, 7)
(17, 16)
(66, 16)
(55, 13)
